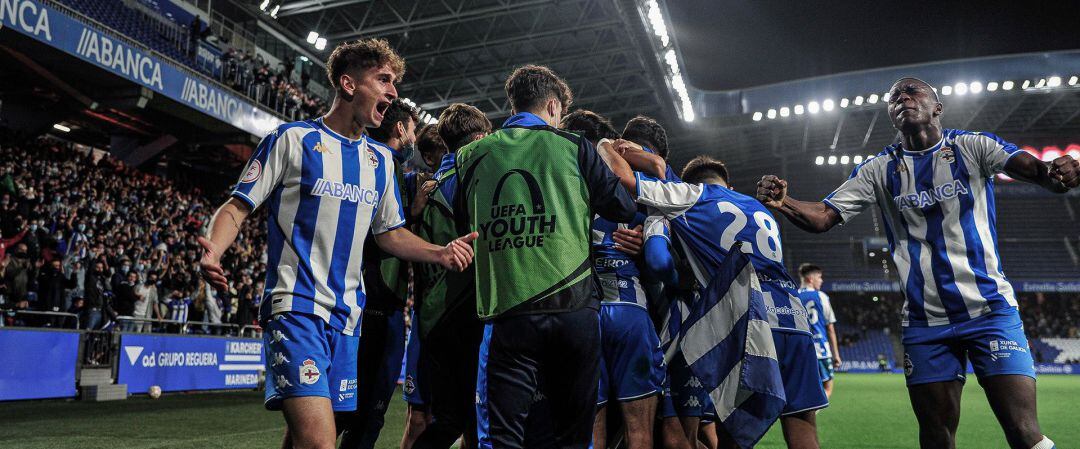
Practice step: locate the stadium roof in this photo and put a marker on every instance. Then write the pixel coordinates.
(462, 50)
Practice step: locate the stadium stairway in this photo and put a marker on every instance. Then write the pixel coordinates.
(96, 384)
(1069, 348)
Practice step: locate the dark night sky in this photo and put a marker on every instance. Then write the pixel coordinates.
(731, 44)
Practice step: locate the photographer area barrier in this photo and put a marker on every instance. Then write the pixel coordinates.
(37, 364)
(185, 363)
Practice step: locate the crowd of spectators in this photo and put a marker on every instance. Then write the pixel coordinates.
(272, 87)
(1050, 315)
(83, 233)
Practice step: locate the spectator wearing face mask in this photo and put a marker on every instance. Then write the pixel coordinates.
(51, 285)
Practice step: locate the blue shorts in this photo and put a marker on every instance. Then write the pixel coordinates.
(799, 372)
(631, 364)
(410, 387)
(307, 357)
(684, 395)
(825, 369)
(994, 343)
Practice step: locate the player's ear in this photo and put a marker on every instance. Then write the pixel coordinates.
(348, 86)
(399, 128)
(938, 110)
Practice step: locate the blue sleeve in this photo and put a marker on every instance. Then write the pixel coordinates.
(658, 261)
(607, 196)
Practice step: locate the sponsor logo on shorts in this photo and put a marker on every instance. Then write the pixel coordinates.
(344, 385)
(309, 373)
(1003, 349)
(908, 366)
(343, 396)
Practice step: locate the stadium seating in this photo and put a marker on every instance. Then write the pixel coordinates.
(1067, 348)
(866, 347)
(116, 15)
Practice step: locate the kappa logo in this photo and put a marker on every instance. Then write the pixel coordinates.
(282, 382)
(253, 173)
(309, 373)
(276, 336)
(692, 402)
(279, 359)
(320, 148)
(693, 382)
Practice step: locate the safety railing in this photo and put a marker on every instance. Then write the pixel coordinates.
(38, 318)
(147, 325)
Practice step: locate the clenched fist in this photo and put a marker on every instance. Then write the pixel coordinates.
(1066, 170)
(771, 191)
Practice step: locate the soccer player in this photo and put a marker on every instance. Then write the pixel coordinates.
(708, 218)
(632, 366)
(531, 191)
(822, 321)
(386, 283)
(326, 185)
(447, 323)
(935, 192)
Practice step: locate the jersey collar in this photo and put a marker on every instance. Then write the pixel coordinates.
(347, 141)
(447, 163)
(524, 119)
(932, 149)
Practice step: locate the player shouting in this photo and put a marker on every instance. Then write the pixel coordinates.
(935, 192)
(326, 186)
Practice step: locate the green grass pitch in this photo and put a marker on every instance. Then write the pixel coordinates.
(868, 411)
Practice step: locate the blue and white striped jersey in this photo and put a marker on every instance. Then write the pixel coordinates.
(708, 220)
(938, 210)
(821, 315)
(325, 192)
(618, 273)
(178, 309)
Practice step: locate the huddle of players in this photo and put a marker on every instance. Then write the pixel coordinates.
(552, 320)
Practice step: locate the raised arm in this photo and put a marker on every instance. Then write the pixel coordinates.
(1058, 176)
(816, 217)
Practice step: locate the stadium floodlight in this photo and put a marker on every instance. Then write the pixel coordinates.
(844, 160)
(946, 90)
(60, 127)
(320, 43)
(273, 12)
(1006, 85)
(1027, 84)
(1041, 83)
(798, 109)
(656, 20)
(771, 114)
(820, 160)
(975, 87)
(844, 102)
(1053, 81)
(312, 36)
(827, 105)
(857, 159)
(858, 100)
(991, 86)
(960, 88)
(757, 116)
(1072, 80)
(832, 160)
(872, 99)
(813, 107)
(265, 4)
(784, 111)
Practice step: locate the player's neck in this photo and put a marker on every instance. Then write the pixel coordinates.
(340, 120)
(922, 139)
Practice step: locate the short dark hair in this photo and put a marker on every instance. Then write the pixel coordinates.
(460, 123)
(702, 167)
(647, 132)
(529, 86)
(933, 90)
(360, 55)
(807, 269)
(397, 112)
(428, 142)
(590, 125)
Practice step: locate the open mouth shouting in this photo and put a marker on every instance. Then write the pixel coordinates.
(380, 110)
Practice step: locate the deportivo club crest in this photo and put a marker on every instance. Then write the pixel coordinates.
(947, 155)
(309, 373)
(372, 158)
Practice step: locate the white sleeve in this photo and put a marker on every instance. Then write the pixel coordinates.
(671, 198)
(390, 214)
(265, 170)
(854, 195)
(657, 226)
(990, 152)
(826, 307)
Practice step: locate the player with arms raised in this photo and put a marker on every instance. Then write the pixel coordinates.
(326, 186)
(935, 191)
